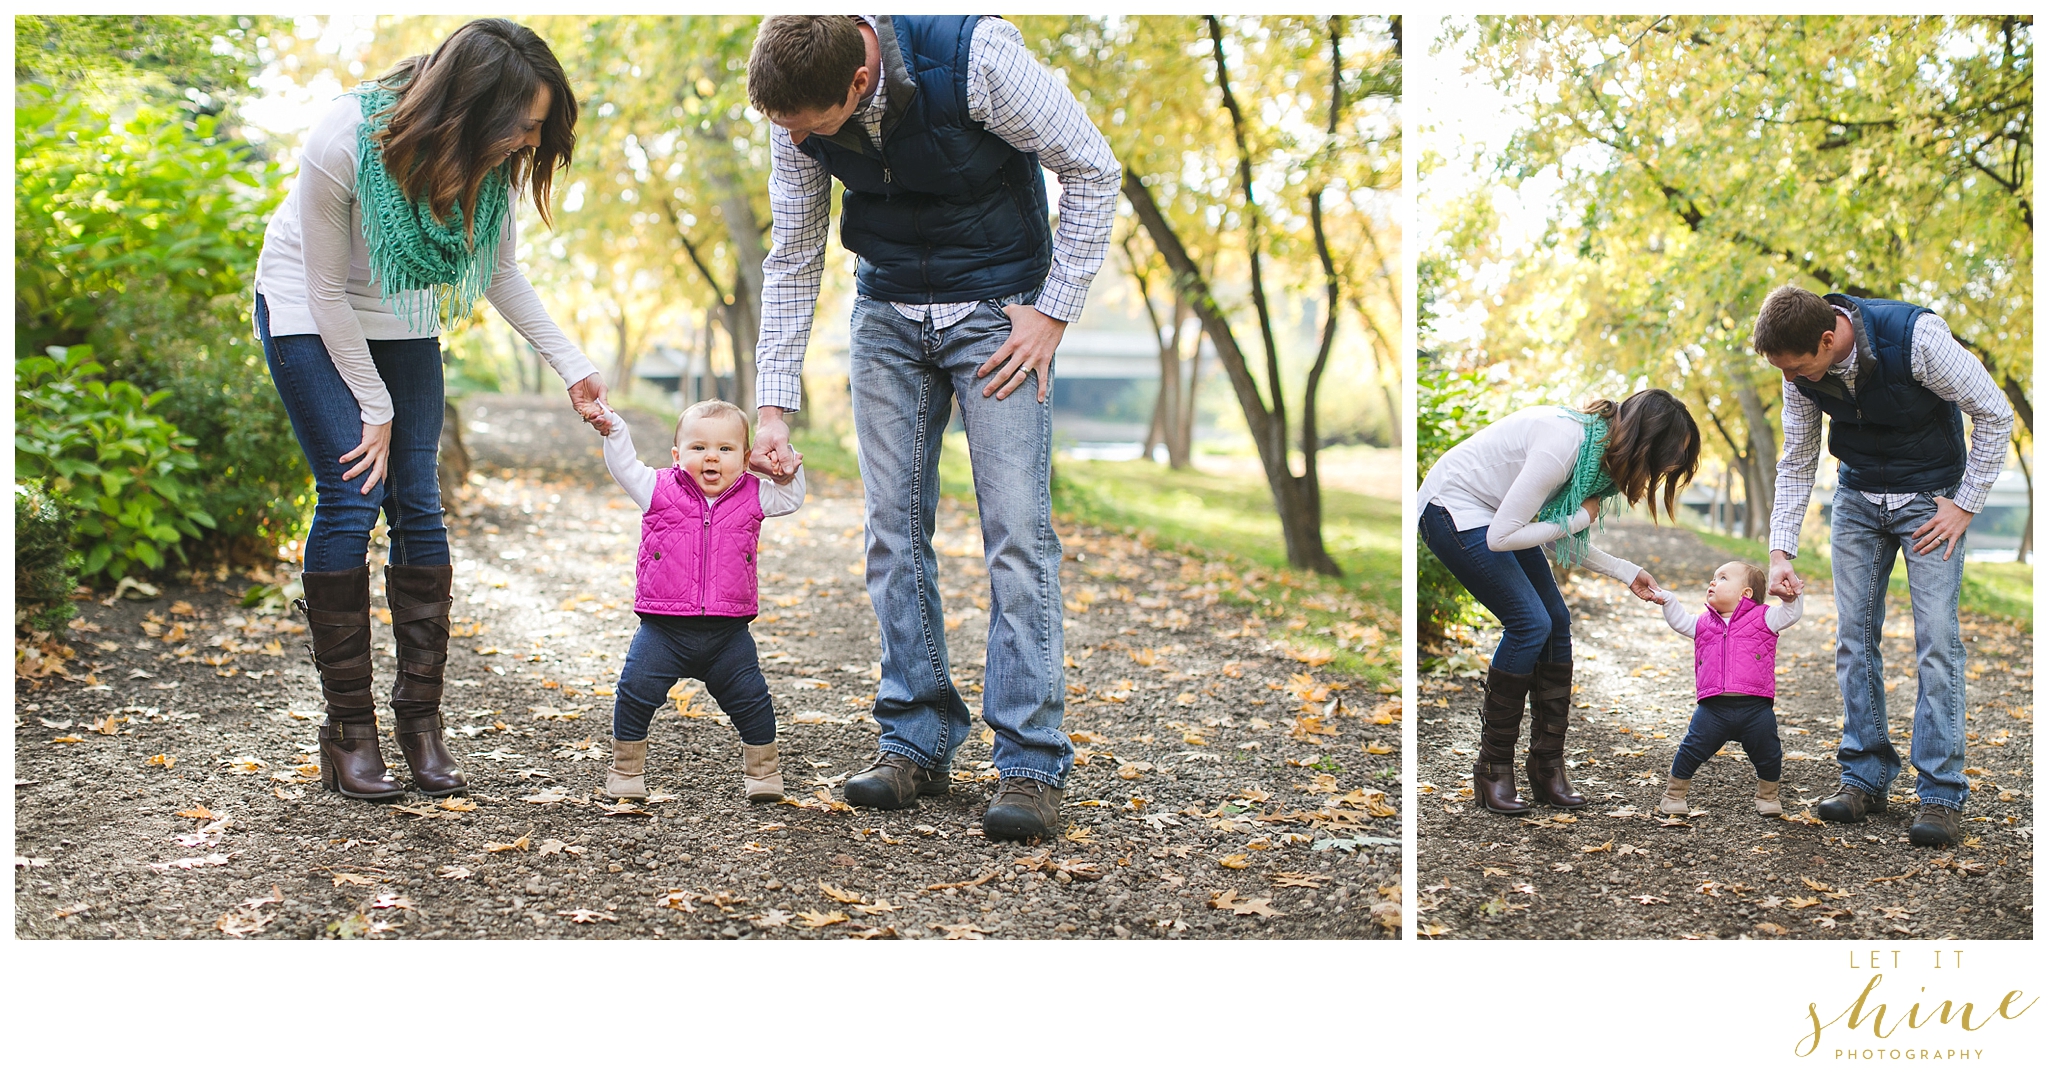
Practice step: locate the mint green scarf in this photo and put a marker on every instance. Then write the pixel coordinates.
(427, 270)
(1588, 481)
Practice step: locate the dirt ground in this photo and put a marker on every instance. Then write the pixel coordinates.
(1614, 869)
(167, 782)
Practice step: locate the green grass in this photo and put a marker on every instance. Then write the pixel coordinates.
(1226, 518)
(2001, 590)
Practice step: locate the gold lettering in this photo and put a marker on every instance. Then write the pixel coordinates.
(2008, 1001)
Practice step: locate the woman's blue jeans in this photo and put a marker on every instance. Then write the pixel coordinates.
(1515, 585)
(328, 424)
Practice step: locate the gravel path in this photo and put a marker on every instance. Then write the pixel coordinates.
(165, 785)
(1613, 869)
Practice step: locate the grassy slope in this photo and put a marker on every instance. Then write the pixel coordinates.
(1229, 518)
(2002, 590)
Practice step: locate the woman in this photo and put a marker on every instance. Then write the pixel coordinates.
(403, 214)
(1541, 476)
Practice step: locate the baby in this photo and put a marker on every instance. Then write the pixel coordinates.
(1735, 656)
(696, 588)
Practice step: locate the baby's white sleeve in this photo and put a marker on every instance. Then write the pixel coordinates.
(778, 499)
(1779, 619)
(1675, 615)
(635, 478)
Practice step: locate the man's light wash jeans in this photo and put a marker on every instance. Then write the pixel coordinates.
(1867, 539)
(905, 377)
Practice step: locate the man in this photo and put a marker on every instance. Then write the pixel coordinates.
(1894, 384)
(937, 127)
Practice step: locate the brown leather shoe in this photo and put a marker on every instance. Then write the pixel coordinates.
(1023, 808)
(419, 597)
(1936, 826)
(1550, 705)
(894, 782)
(1849, 804)
(337, 607)
(1500, 724)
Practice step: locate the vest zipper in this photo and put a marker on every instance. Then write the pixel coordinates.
(1727, 631)
(704, 565)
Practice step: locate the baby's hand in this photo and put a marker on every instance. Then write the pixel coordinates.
(600, 418)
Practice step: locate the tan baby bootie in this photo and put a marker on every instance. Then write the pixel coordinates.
(1767, 802)
(764, 773)
(626, 778)
(1673, 802)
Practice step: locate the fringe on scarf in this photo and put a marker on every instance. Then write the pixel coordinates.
(1588, 481)
(429, 271)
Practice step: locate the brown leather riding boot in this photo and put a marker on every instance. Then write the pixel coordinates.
(1550, 704)
(419, 597)
(337, 607)
(1500, 724)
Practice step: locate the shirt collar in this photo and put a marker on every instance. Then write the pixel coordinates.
(1848, 363)
(870, 111)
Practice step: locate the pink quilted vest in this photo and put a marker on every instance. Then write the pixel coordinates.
(697, 557)
(1735, 655)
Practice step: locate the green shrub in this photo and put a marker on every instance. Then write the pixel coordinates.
(138, 237)
(1449, 408)
(44, 559)
(105, 452)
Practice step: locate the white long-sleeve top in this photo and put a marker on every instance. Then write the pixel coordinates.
(1948, 371)
(1686, 622)
(1501, 477)
(778, 497)
(314, 272)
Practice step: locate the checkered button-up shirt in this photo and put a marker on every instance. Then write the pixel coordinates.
(1019, 101)
(1948, 371)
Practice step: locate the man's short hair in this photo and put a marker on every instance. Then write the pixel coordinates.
(1791, 322)
(804, 62)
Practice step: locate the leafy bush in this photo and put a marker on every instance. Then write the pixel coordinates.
(139, 238)
(44, 559)
(103, 451)
(1449, 408)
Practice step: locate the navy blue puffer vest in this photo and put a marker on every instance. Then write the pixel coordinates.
(941, 211)
(1892, 435)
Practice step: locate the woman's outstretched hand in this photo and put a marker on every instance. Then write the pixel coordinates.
(1592, 508)
(588, 398)
(1646, 586)
(375, 450)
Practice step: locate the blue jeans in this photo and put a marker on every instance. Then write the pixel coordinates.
(905, 377)
(1516, 586)
(326, 419)
(1718, 720)
(1867, 539)
(718, 649)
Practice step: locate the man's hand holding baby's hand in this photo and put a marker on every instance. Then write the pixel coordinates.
(773, 457)
(1784, 581)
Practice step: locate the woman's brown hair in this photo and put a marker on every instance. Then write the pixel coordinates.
(462, 108)
(1651, 440)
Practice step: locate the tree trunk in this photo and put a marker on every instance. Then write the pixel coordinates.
(1763, 447)
(1303, 549)
(623, 377)
(452, 465)
(2026, 548)
(744, 234)
(1180, 439)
